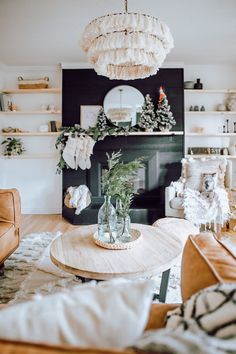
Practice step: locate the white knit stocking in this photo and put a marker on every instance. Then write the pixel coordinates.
(69, 152)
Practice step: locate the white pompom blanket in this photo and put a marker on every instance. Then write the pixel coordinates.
(204, 208)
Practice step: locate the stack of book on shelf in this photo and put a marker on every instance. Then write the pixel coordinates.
(3, 102)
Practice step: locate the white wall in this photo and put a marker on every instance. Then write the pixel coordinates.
(212, 77)
(36, 179)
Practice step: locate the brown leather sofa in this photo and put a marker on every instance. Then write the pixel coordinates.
(10, 214)
(205, 262)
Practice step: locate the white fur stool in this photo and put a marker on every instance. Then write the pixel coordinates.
(180, 228)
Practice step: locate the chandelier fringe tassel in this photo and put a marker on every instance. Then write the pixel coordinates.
(127, 46)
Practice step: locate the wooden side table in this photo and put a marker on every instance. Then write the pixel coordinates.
(76, 253)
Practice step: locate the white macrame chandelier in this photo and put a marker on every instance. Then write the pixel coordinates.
(127, 46)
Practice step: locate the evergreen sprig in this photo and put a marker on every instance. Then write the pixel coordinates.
(117, 179)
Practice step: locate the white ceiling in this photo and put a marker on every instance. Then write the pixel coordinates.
(47, 32)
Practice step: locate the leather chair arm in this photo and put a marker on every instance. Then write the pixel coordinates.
(10, 206)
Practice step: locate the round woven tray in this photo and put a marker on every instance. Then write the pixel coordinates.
(136, 237)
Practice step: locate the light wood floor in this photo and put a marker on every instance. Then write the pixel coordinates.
(42, 223)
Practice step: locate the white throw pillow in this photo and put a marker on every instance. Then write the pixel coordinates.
(211, 310)
(192, 170)
(111, 314)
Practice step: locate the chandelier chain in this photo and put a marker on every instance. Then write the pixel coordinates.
(126, 6)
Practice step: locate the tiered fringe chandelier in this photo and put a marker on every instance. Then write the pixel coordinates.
(127, 46)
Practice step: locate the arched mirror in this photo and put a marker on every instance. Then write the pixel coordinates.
(122, 105)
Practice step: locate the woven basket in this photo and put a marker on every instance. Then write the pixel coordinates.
(40, 83)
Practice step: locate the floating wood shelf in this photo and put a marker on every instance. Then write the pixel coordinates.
(210, 155)
(210, 91)
(49, 90)
(32, 134)
(31, 156)
(211, 112)
(28, 112)
(210, 134)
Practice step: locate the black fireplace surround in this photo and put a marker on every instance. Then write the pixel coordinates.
(162, 154)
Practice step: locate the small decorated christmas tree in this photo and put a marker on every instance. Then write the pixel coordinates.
(101, 120)
(147, 116)
(165, 119)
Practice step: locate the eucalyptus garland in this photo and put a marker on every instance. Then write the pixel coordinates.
(104, 127)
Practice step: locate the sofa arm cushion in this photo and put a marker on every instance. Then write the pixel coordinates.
(10, 206)
(157, 316)
(205, 262)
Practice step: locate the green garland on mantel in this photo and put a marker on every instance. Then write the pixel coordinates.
(104, 127)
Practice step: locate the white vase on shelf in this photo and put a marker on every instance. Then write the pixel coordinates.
(231, 103)
(232, 150)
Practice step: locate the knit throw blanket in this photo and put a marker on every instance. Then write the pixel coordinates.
(206, 207)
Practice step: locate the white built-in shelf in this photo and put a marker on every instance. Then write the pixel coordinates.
(28, 112)
(211, 112)
(211, 155)
(210, 134)
(210, 91)
(31, 156)
(48, 90)
(31, 134)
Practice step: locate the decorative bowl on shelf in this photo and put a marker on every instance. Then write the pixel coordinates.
(118, 245)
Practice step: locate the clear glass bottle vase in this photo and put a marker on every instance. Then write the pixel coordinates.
(123, 224)
(107, 221)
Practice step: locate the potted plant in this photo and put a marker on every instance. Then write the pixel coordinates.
(13, 147)
(117, 183)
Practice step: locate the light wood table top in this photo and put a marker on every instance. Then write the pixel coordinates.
(75, 252)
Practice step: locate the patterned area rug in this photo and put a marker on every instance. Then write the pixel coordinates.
(24, 278)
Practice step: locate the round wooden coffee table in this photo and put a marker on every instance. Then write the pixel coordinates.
(76, 253)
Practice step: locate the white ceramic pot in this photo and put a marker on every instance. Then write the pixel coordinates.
(231, 103)
(232, 150)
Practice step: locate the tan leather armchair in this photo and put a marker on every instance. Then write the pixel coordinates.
(10, 213)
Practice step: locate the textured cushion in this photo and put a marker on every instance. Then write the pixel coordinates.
(111, 314)
(193, 169)
(204, 263)
(177, 203)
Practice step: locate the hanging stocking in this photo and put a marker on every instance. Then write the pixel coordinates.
(69, 152)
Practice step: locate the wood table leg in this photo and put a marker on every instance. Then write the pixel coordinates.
(164, 285)
(1, 269)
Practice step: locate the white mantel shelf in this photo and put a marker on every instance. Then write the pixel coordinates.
(170, 133)
(16, 91)
(210, 91)
(156, 133)
(211, 112)
(28, 112)
(31, 134)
